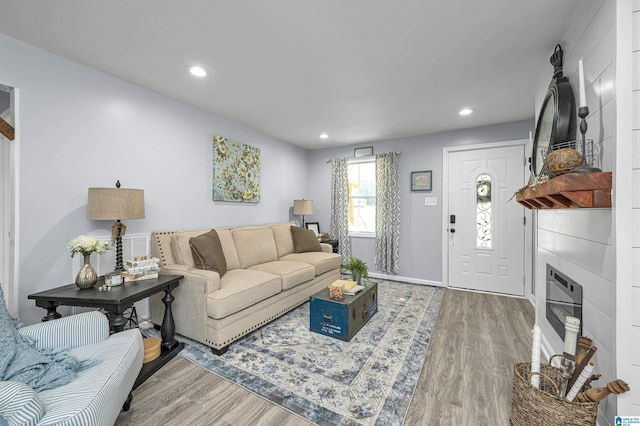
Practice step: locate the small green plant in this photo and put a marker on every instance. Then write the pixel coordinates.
(357, 267)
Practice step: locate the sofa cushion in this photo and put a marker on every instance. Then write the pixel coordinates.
(96, 396)
(207, 252)
(180, 246)
(284, 241)
(254, 246)
(239, 289)
(304, 240)
(321, 261)
(292, 273)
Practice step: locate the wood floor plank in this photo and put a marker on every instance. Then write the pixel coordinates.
(466, 378)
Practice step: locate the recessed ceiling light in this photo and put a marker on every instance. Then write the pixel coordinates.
(324, 136)
(465, 111)
(197, 71)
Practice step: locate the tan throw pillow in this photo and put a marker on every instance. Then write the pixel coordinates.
(207, 252)
(304, 240)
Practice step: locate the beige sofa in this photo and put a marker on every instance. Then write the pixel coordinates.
(265, 278)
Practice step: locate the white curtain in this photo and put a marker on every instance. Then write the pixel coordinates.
(340, 206)
(387, 212)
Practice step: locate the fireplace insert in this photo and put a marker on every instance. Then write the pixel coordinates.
(564, 297)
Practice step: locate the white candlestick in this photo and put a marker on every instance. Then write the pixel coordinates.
(586, 373)
(535, 356)
(583, 90)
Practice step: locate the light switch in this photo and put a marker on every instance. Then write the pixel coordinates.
(430, 201)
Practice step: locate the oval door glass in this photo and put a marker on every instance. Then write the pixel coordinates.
(483, 211)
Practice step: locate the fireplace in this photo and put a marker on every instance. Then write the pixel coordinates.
(564, 297)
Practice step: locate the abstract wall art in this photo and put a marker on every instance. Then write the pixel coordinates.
(236, 171)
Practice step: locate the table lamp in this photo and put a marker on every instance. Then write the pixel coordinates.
(302, 208)
(116, 204)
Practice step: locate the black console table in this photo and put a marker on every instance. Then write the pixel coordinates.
(116, 301)
(334, 245)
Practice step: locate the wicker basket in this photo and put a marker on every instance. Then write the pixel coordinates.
(531, 406)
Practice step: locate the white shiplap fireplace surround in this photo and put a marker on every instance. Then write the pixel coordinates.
(596, 247)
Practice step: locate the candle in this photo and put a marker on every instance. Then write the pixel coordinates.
(535, 356)
(586, 373)
(583, 90)
(571, 328)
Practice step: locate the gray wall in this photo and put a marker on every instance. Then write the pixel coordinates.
(5, 101)
(420, 226)
(81, 128)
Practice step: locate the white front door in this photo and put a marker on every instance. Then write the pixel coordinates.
(485, 229)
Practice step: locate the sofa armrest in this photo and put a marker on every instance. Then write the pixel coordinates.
(327, 248)
(19, 404)
(190, 304)
(210, 280)
(72, 331)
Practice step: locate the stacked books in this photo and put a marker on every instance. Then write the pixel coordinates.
(355, 290)
(347, 284)
(340, 287)
(141, 268)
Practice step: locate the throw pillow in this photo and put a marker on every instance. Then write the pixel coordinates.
(207, 252)
(304, 240)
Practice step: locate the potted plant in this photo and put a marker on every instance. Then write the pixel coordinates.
(358, 269)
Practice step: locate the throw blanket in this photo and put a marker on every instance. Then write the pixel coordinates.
(39, 368)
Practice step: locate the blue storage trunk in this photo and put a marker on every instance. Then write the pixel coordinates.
(342, 319)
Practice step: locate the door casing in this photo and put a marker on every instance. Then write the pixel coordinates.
(9, 205)
(528, 253)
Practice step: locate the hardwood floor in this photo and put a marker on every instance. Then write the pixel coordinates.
(466, 379)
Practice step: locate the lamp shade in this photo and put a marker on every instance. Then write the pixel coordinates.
(115, 204)
(303, 207)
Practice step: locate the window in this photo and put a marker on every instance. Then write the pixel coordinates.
(483, 211)
(362, 197)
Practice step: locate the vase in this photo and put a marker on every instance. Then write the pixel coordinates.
(87, 276)
(357, 278)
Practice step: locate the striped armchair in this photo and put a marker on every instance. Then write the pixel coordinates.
(97, 394)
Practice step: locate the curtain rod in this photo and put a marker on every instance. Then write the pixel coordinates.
(362, 158)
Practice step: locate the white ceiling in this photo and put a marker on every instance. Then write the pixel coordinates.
(359, 70)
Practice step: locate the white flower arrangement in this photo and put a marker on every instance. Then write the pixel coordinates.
(86, 244)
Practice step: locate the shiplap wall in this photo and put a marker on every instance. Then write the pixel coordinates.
(634, 380)
(579, 242)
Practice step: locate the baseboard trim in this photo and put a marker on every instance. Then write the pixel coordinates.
(406, 279)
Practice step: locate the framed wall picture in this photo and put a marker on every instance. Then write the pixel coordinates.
(236, 171)
(365, 151)
(314, 226)
(421, 181)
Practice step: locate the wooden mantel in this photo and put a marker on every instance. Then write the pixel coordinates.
(569, 191)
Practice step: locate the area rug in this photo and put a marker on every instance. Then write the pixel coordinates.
(369, 380)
